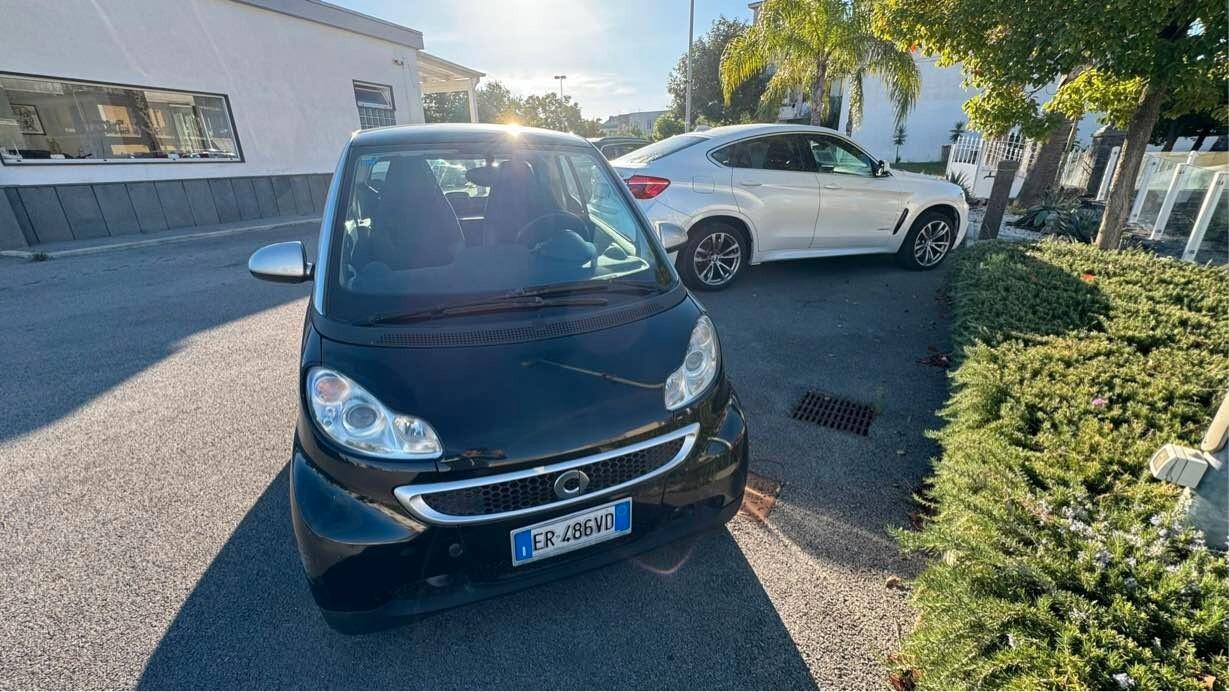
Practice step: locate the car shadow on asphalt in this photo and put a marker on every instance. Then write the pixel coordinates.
(859, 328)
(75, 328)
(689, 615)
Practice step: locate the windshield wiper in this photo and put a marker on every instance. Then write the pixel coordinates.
(528, 302)
(588, 286)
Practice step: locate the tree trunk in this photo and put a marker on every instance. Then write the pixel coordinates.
(819, 90)
(1203, 134)
(1129, 159)
(1044, 172)
(1171, 136)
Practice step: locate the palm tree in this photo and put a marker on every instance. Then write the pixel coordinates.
(811, 44)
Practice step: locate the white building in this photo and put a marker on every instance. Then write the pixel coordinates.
(927, 128)
(624, 123)
(132, 116)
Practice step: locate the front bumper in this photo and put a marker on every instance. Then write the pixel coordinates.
(372, 564)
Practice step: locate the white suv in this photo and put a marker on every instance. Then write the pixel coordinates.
(747, 194)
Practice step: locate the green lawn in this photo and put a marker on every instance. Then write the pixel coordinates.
(1055, 560)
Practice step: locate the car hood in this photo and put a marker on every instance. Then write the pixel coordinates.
(507, 404)
(927, 184)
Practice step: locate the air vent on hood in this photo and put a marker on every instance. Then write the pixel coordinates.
(433, 338)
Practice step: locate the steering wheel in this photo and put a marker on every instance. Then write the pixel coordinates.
(549, 237)
(537, 231)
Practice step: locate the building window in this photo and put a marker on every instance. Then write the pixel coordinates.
(49, 120)
(375, 105)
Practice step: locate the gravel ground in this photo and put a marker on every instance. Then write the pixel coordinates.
(144, 530)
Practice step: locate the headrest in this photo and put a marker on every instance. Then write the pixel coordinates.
(482, 177)
(406, 174)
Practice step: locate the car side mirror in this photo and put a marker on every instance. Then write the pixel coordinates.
(284, 263)
(881, 168)
(673, 236)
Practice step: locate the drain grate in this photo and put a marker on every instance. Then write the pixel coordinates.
(834, 412)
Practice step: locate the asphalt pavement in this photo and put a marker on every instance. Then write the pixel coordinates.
(145, 541)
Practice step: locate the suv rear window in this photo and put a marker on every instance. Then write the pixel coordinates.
(665, 147)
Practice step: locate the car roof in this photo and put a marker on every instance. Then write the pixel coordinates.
(733, 131)
(617, 138)
(460, 133)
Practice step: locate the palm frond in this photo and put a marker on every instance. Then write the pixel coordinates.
(856, 100)
(744, 57)
(789, 76)
(796, 36)
(899, 72)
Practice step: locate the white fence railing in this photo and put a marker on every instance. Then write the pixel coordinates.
(1078, 167)
(1181, 198)
(976, 158)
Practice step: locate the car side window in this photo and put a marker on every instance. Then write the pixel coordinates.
(775, 153)
(835, 155)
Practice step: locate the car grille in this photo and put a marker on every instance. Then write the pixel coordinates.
(533, 491)
(522, 492)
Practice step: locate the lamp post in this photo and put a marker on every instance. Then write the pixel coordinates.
(561, 77)
(691, 25)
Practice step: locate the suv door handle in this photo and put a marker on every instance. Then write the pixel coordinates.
(832, 186)
(750, 183)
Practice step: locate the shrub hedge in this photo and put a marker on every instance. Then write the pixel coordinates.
(1056, 560)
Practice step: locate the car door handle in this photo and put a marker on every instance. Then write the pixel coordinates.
(750, 183)
(831, 186)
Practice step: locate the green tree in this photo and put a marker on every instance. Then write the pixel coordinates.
(812, 44)
(956, 132)
(667, 126)
(588, 128)
(446, 107)
(706, 95)
(1123, 58)
(496, 104)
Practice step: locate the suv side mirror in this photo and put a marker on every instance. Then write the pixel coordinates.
(284, 263)
(881, 168)
(673, 236)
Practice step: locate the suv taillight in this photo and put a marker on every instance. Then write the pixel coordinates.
(646, 186)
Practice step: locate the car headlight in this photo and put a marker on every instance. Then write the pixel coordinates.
(699, 367)
(355, 419)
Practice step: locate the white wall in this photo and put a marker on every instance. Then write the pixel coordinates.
(928, 125)
(289, 80)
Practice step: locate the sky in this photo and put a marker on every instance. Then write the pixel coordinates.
(616, 55)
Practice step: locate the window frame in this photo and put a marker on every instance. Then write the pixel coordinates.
(805, 133)
(792, 135)
(358, 107)
(852, 145)
(230, 114)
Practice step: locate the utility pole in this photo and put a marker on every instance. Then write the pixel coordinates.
(561, 77)
(691, 25)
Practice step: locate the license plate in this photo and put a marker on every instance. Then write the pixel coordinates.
(566, 534)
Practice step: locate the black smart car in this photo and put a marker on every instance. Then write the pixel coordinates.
(503, 381)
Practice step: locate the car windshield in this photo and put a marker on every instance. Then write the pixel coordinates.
(423, 231)
(665, 147)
